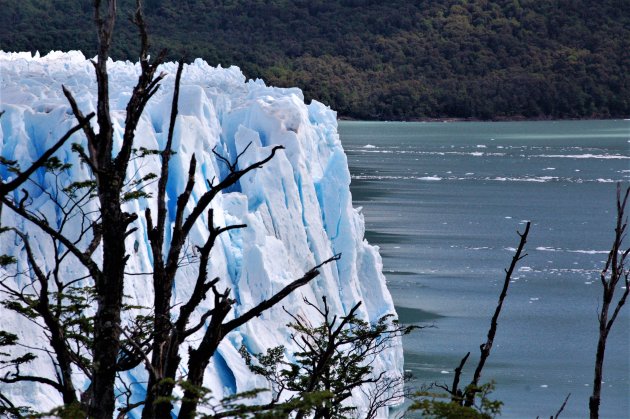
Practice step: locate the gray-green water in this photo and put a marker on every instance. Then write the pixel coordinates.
(444, 200)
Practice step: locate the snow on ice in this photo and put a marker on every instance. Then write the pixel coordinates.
(298, 207)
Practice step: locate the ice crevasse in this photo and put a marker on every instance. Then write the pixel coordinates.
(298, 207)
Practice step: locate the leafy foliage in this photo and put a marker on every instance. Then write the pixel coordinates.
(9, 369)
(240, 405)
(7, 260)
(440, 406)
(70, 411)
(9, 410)
(381, 60)
(334, 357)
(6, 162)
(53, 164)
(74, 187)
(133, 195)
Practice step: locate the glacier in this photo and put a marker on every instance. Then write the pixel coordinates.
(298, 207)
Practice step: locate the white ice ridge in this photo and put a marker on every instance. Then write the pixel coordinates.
(298, 207)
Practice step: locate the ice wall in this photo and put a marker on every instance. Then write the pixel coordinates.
(298, 207)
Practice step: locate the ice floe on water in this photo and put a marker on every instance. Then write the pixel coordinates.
(470, 177)
(555, 249)
(583, 156)
(524, 179)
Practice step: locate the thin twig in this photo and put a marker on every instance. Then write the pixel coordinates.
(562, 407)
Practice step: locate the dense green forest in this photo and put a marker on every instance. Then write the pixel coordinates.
(374, 59)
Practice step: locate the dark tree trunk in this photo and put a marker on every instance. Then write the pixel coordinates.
(197, 363)
(161, 356)
(107, 328)
(595, 399)
(614, 271)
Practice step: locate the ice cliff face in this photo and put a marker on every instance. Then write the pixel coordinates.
(298, 207)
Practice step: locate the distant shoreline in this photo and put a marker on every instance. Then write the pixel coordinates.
(498, 119)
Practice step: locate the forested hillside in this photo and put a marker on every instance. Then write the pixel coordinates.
(374, 59)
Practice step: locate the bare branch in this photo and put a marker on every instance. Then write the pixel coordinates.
(562, 407)
(613, 272)
(30, 378)
(487, 346)
(5, 188)
(96, 239)
(85, 260)
(87, 129)
(456, 393)
(124, 410)
(166, 156)
(140, 351)
(231, 179)
(266, 304)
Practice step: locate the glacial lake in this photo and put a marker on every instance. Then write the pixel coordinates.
(443, 201)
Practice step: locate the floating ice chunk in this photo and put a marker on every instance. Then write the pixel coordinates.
(590, 252)
(585, 156)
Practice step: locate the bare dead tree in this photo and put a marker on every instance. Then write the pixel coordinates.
(614, 273)
(169, 335)
(466, 397)
(110, 173)
(113, 347)
(486, 347)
